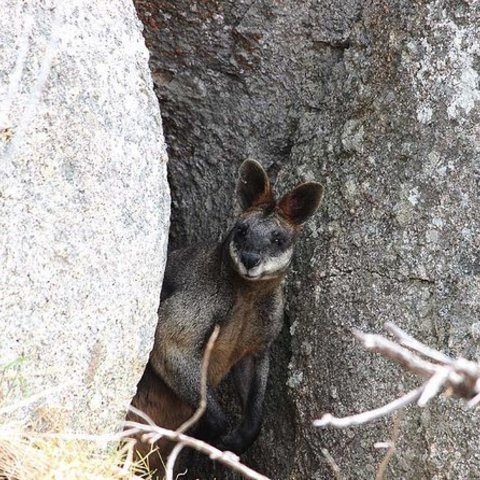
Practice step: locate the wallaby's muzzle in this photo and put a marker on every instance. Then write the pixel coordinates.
(250, 259)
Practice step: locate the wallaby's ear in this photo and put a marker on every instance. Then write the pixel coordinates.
(302, 202)
(253, 186)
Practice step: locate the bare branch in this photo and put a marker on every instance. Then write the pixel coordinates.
(203, 383)
(335, 468)
(382, 468)
(227, 458)
(434, 385)
(474, 401)
(370, 415)
(459, 377)
(403, 338)
(142, 415)
(6, 433)
(172, 458)
(389, 349)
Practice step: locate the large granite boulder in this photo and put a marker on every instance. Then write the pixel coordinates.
(84, 209)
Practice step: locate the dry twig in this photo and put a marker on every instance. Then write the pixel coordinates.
(153, 433)
(227, 458)
(172, 458)
(333, 465)
(203, 383)
(369, 415)
(457, 377)
(392, 445)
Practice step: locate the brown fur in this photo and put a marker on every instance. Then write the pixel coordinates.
(161, 404)
(207, 285)
(240, 337)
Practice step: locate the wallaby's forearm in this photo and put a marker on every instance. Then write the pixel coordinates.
(181, 372)
(245, 434)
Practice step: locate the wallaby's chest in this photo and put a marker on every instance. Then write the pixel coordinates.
(243, 332)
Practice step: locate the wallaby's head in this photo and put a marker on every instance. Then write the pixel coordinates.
(262, 239)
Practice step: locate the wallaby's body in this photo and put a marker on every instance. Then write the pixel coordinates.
(238, 286)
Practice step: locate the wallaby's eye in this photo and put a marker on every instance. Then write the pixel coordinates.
(278, 238)
(241, 231)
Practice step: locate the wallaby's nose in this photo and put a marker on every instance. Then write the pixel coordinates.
(250, 260)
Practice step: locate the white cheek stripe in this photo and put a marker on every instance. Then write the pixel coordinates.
(275, 264)
(234, 256)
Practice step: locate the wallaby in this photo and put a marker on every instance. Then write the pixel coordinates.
(237, 285)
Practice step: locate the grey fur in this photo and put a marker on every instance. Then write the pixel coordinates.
(206, 285)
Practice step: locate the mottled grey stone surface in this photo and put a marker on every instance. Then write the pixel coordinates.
(380, 102)
(84, 207)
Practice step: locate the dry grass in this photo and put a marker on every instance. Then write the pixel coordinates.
(27, 454)
(29, 457)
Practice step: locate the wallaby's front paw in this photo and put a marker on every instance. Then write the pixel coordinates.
(218, 427)
(211, 430)
(233, 442)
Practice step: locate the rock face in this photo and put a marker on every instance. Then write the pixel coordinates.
(380, 102)
(84, 208)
